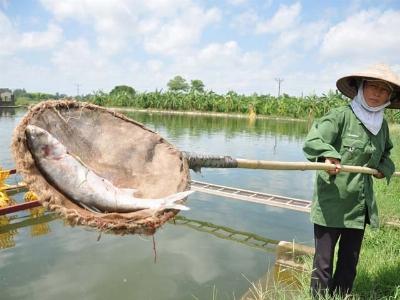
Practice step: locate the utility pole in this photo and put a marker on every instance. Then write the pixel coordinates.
(279, 80)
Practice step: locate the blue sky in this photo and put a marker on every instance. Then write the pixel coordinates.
(241, 45)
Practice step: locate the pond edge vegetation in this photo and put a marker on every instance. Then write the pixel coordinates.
(231, 103)
(194, 99)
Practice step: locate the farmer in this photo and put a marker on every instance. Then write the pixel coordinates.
(343, 203)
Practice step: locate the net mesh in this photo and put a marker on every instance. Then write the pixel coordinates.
(116, 148)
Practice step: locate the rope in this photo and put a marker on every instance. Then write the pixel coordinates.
(198, 161)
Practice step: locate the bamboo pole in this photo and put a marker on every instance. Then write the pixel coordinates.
(197, 161)
(301, 166)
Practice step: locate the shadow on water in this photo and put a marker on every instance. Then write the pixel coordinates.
(38, 221)
(246, 238)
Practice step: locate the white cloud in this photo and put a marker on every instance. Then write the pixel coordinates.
(148, 25)
(237, 2)
(286, 17)
(21, 74)
(146, 43)
(166, 8)
(12, 40)
(41, 40)
(221, 66)
(163, 26)
(180, 32)
(369, 35)
(304, 36)
(82, 10)
(216, 52)
(4, 3)
(77, 60)
(155, 66)
(64, 9)
(224, 67)
(396, 68)
(287, 27)
(7, 34)
(246, 21)
(290, 40)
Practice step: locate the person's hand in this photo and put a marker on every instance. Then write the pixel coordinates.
(379, 175)
(331, 160)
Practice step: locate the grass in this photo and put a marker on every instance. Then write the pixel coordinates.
(389, 195)
(378, 272)
(24, 101)
(378, 275)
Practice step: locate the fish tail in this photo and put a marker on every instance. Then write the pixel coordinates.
(170, 201)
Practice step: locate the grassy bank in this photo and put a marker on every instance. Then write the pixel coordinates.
(389, 195)
(285, 106)
(23, 101)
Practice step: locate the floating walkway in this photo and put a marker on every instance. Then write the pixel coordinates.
(251, 196)
(14, 189)
(204, 187)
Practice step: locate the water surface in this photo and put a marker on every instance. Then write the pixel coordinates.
(46, 259)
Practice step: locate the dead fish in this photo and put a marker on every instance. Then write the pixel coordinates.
(82, 185)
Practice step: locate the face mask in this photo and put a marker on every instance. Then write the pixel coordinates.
(371, 117)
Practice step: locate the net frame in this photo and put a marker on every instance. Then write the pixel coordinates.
(151, 164)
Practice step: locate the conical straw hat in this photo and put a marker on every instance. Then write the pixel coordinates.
(348, 84)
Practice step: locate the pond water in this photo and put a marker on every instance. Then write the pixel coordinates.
(42, 258)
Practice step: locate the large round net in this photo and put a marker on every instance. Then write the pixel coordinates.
(114, 147)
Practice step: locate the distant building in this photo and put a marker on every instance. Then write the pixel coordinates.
(6, 97)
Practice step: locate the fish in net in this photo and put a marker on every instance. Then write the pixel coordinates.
(116, 148)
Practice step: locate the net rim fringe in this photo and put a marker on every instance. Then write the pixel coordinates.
(144, 222)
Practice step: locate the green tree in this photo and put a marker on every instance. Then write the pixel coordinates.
(119, 89)
(178, 83)
(197, 85)
(60, 96)
(19, 93)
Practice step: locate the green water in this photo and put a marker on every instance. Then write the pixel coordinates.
(189, 263)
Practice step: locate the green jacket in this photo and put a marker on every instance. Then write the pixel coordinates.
(344, 200)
